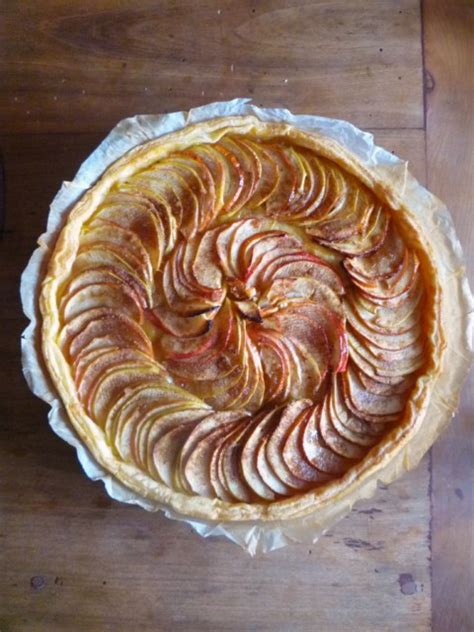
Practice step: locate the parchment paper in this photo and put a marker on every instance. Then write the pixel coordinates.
(458, 311)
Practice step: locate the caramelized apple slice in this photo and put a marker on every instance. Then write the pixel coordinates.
(276, 442)
(335, 441)
(248, 458)
(294, 456)
(316, 450)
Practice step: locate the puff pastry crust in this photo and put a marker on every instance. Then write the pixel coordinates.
(242, 321)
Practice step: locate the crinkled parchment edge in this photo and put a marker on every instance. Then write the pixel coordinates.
(433, 217)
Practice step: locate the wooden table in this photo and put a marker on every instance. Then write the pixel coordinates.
(71, 558)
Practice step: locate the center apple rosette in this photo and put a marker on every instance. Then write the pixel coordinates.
(242, 319)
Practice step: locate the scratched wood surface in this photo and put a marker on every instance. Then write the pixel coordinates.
(71, 558)
(449, 48)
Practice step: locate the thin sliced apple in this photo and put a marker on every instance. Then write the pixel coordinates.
(276, 442)
(316, 450)
(294, 456)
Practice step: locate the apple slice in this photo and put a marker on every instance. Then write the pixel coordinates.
(248, 457)
(80, 330)
(112, 295)
(276, 442)
(277, 362)
(206, 267)
(163, 446)
(104, 274)
(249, 167)
(111, 384)
(179, 326)
(196, 454)
(370, 406)
(133, 215)
(229, 462)
(117, 239)
(316, 450)
(144, 398)
(379, 388)
(235, 180)
(349, 426)
(381, 264)
(157, 426)
(294, 456)
(283, 195)
(269, 177)
(386, 340)
(332, 197)
(334, 440)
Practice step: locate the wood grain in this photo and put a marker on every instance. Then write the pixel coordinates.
(84, 69)
(75, 560)
(450, 166)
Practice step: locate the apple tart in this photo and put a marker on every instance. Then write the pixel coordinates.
(242, 322)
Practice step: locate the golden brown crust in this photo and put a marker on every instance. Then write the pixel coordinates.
(212, 509)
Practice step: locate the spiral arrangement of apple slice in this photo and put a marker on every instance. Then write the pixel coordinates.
(242, 320)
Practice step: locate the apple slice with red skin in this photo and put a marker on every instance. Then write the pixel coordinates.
(198, 469)
(410, 278)
(393, 366)
(351, 218)
(249, 167)
(307, 205)
(379, 388)
(111, 385)
(81, 276)
(248, 457)
(388, 320)
(223, 332)
(229, 462)
(303, 264)
(317, 452)
(161, 198)
(276, 362)
(365, 243)
(108, 255)
(235, 194)
(179, 326)
(143, 399)
(387, 340)
(133, 213)
(206, 266)
(284, 194)
(165, 439)
(125, 242)
(331, 198)
(186, 188)
(214, 162)
(383, 263)
(370, 406)
(277, 440)
(204, 183)
(269, 176)
(334, 440)
(115, 296)
(294, 456)
(104, 274)
(157, 425)
(186, 261)
(119, 331)
(264, 467)
(143, 419)
(350, 427)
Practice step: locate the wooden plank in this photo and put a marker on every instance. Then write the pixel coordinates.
(75, 560)
(448, 43)
(82, 70)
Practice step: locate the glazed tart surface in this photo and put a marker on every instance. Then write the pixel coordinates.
(240, 321)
